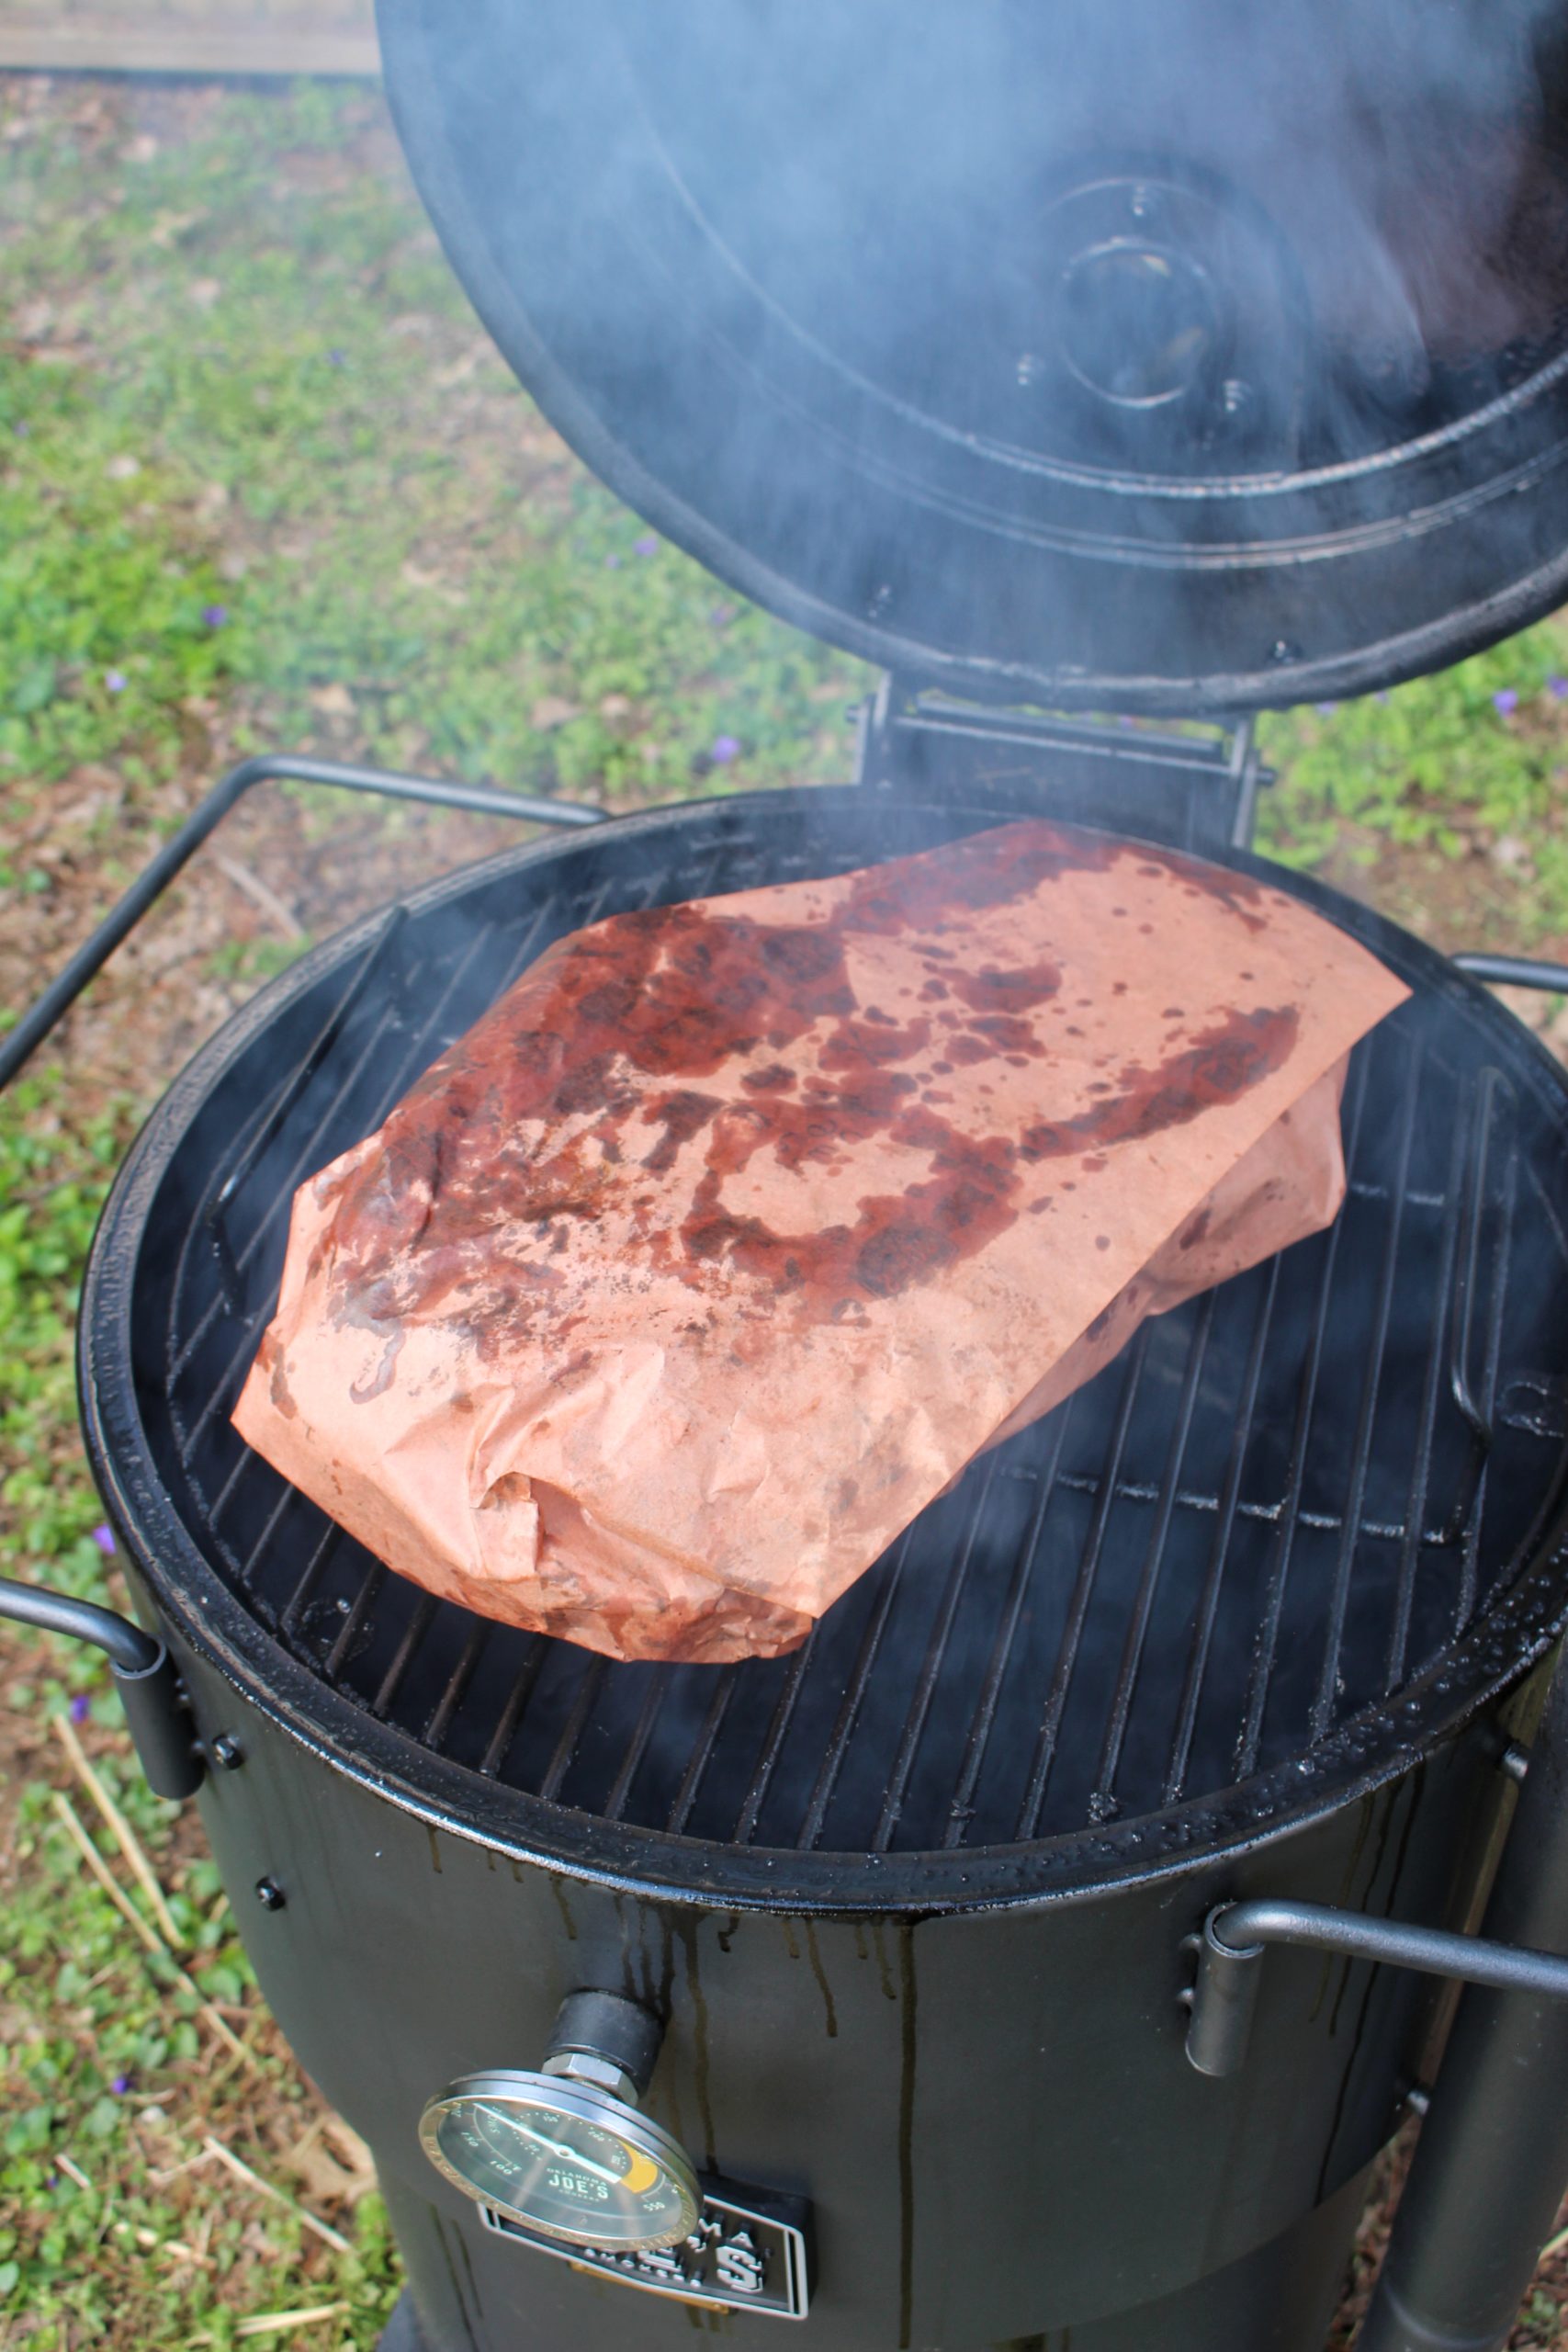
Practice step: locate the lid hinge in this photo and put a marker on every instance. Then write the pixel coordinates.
(1197, 788)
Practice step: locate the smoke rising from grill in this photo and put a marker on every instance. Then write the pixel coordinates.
(1150, 356)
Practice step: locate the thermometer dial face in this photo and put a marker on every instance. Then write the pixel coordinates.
(562, 2158)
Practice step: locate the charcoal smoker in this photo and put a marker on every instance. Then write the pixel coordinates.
(920, 1988)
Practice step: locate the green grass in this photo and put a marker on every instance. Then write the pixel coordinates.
(300, 385)
(110, 2064)
(1445, 768)
(262, 479)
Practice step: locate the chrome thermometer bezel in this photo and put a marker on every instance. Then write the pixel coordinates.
(556, 2094)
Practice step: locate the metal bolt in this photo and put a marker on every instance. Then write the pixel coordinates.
(1515, 1761)
(228, 1752)
(1282, 650)
(269, 1894)
(588, 2066)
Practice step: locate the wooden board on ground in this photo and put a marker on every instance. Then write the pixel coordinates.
(221, 48)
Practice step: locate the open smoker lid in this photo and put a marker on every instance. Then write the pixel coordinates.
(1174, 356)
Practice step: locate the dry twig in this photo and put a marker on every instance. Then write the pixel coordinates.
(276, 2323)
(127, 1910)
(105, 1876)
(328, 2235)
(262, 895)
(120, 1830)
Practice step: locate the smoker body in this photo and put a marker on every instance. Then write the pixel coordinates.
(1100, 407)
(990, 2112)
(910, 1905)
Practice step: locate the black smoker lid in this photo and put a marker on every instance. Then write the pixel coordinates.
(1182, 355)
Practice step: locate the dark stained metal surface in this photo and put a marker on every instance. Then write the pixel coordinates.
(1253, 1540)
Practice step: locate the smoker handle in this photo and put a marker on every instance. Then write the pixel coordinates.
(1515, 972)
(1235, 1936)
(145, 1675)
(154, 880)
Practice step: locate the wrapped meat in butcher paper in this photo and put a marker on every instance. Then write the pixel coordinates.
(724, 1241)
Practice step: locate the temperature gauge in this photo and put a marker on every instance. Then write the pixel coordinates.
(568, 2159)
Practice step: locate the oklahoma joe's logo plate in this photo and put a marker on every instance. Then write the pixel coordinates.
(750, 2256)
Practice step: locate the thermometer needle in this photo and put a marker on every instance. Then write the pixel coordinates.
(554, 2147)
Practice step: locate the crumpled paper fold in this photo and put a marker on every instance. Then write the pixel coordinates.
(722, 1243)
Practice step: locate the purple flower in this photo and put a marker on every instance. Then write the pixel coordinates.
(725, 749)
(21, 428)
(115, 681)
(1325, 709)
(1558, 689)
(611, 563)
(214, 616)
(337, 359)
(78, 1708)
(120, 2085)
(647, 544)
(1505, 702)
(104, 1538)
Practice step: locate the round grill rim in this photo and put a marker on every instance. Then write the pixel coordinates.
(1377, 1744)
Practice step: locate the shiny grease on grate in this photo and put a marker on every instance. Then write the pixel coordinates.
(1274, 1509)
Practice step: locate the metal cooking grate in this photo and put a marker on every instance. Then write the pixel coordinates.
(1276, 1507)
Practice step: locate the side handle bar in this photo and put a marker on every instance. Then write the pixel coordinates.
(479, 800)
(1514, 972)
(145, 1675)
(1236, 1935)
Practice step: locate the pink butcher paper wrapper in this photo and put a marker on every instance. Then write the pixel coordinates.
(718, 1247)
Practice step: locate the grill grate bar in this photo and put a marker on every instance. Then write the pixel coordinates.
(363, 1601)
(222, 1392)
(411, 1059)
(1209, 1598)
(1480, 1410)
(637, 1747)
(774, 1739)
(702, 1752)
(1411, 1540)
(315, 1568)
(511, 1716)
(1261, 1681)
(1103, 1804)
(853, 1699)
(212, 1218)
(263, 1544)
(1362, 1191)
(571, 1731)
(979, 1736)
(456, 1684)
(293, 1087)
(414, 1632)
(1323, 1706)
(271, 1123)
(931, 1668)
(1077, 1606)
(1330, 1523)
